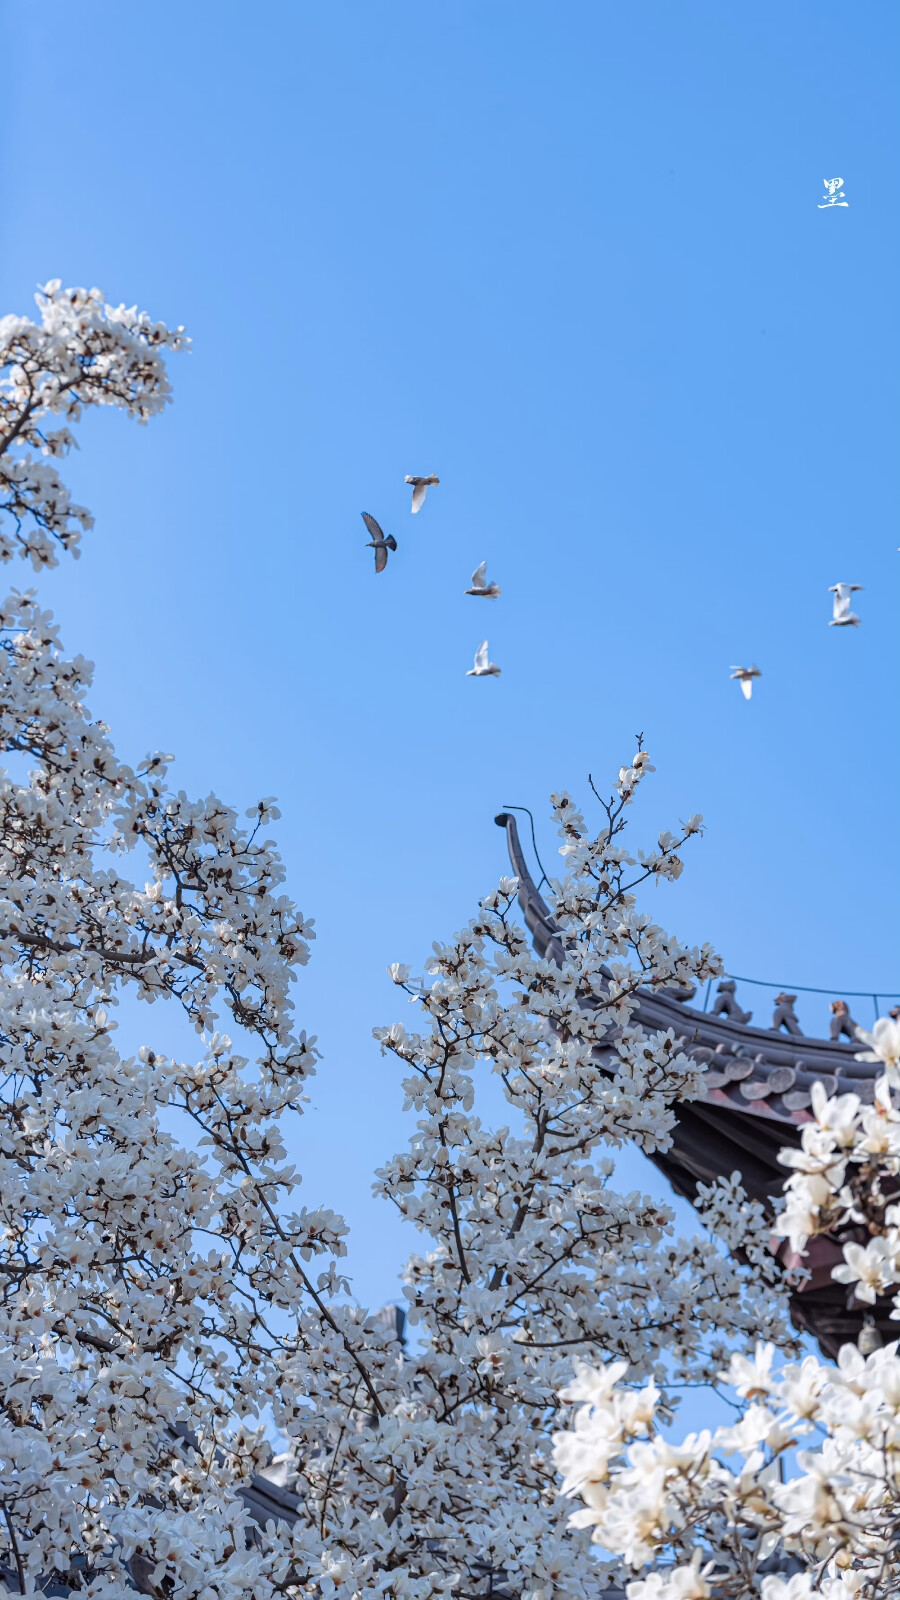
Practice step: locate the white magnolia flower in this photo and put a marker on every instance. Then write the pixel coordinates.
(797, 1587)
(752, 1378)
(883, 1042)
(680, 1583)
(836, 1116)
(871, 1269)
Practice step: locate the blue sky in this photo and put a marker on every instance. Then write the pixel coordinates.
(571, 259)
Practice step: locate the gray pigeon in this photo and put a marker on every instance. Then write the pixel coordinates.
(420, 488)
(381, 543)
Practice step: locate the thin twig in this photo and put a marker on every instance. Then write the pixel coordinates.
(327, 1490)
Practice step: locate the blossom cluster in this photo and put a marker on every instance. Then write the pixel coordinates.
(808, 1476)
(82, 353)
(532, 1256)
(132, 1272)
(843, 1176)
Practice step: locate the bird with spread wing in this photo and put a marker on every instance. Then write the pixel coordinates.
(843, 616)
(480, 585)
(483, 668)
(380, 542)
(420, 488)
(745, 676)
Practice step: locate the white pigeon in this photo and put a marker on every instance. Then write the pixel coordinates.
(483, 668)
(843, 616)
(421, 487)
(480, 585)
(745, 676)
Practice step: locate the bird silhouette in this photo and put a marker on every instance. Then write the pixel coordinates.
(480, 585)
(745, 676)
(843, 616)
(420, 488)
(381, 543)
(483, 668)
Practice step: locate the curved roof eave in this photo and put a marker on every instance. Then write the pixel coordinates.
(758, 1084)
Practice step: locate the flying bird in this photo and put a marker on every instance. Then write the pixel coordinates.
(483, 668)
(745, 676)
(480, 585)
(421, 487)
(843, 616)
(381, 543)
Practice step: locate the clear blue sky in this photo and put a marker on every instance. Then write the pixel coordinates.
(571, 258)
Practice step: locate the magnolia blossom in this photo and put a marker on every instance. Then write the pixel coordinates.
(809, 1475)
(871, 1269)
(884, 1045)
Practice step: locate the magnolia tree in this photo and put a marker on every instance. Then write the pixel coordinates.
(810, 1467)
(168, 1307)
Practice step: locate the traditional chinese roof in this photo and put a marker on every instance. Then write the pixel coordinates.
(758, 1084)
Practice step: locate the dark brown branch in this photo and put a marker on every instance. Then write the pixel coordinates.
(15, 1549)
